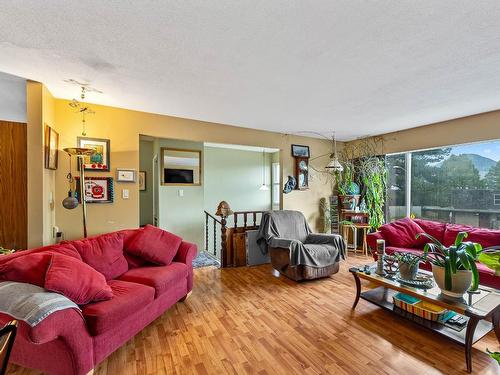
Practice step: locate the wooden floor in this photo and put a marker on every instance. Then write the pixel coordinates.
(246, 321)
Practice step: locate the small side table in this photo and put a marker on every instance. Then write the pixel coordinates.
(354, 227)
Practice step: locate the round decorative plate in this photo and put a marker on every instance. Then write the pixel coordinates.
(421, 281)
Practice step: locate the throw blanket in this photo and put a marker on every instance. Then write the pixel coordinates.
(30, 303)
(289, 230)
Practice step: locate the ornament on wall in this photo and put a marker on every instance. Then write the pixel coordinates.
(81, 107)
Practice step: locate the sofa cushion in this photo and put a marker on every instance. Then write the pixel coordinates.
(402, 233)
(486, 237)
(30, 266)
(88, 286)
(104, 253)
(391, 249)
(29, 269)
(127, 298)
(434, 228)
(159, 277)
(155, 245)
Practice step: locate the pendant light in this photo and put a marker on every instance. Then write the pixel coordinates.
(334, 163)
(264, 187)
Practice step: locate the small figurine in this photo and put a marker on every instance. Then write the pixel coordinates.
(362, 205)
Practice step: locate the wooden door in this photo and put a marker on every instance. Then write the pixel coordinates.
(13, 185)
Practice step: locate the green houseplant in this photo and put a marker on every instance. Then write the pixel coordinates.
(490, 257)
(453, 267)
(5, 251)
(407, 264)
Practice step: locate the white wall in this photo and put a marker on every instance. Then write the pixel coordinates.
(12, 98)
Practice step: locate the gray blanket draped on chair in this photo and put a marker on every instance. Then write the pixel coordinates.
(289, 230)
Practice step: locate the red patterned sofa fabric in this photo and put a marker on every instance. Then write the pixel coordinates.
(161, 278)
(91, 285)
(127, 298)
(154, 245)
(104, 253)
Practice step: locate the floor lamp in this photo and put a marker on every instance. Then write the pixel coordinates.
(80, 154)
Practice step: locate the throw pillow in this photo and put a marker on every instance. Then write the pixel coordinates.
(30, 269)
(402, 233)
(76, 280)
(155, 245)
(104, 253)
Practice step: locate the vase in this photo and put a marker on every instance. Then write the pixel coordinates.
(408, 271)
(460, 281)
(346, 201)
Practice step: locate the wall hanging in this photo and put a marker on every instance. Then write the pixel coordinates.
(99, 160)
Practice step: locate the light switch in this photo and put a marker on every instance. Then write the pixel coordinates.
(125, 193)
(181, 193)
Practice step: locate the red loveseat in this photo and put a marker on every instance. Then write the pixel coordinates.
(400, 236)
(67, 342)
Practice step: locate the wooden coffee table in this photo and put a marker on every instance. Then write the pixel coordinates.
(477, 308)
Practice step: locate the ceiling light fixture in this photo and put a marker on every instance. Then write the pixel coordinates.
(79, 106)
(334, 163)
(264, 187)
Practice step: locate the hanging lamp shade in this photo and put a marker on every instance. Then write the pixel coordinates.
(335, 165)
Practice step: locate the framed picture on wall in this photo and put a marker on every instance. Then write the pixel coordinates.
(180, 167)
(51, 146)
(97, 189)
(300, 151)
(142, 180)
(99, 160)
(125, 175)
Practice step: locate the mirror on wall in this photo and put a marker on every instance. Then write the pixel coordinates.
(180, 167)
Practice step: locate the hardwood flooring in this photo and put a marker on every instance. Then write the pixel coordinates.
(246, 321)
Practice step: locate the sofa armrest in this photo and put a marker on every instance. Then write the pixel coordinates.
(371, 239)
(334, 240)
(185, 254)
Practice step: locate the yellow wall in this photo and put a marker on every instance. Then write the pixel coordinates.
(482, 127)
(123, 127)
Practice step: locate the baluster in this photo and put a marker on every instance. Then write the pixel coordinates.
(206, 232)
(235, 215)
(255, 219)
(245, 220)
(223, 242)
(215, 237)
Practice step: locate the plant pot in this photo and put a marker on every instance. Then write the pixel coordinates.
(345, 201)
(408, 271)
(460, 281)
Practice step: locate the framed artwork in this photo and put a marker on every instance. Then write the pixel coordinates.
(51, 145)
(97, 189)
(99, 160)
(142, 180)
(180, 167)
(300, 151)
(125, 175)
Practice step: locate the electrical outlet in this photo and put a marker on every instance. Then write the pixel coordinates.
(181, 193)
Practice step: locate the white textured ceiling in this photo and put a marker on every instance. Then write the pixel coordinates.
(357, 67)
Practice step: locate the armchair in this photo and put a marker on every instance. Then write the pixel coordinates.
(295, 251)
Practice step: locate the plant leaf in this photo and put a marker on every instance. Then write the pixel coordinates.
(460, 238)
(464, 259)
(447, 274)
(453, 259)
(475, 277)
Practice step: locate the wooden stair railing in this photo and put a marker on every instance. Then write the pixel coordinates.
(210, 219)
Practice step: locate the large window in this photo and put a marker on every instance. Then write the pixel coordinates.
(458, 184)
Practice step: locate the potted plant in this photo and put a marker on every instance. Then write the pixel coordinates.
(490, 257)
(453, 267)
(5, 251)
(407, 264)
(348, 189)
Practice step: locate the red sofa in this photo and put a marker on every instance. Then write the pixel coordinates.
(67, 342)
(399, 236)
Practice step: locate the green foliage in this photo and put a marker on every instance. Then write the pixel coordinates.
(6, 251)
(460, 256)
(408, 258)
(494, 355)
(491, 258)
(373, 176)
(492, 178)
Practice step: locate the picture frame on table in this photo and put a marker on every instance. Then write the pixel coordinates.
(51, 146)
(100, 159)
(300, 151)
(142, 181)
(97, 189)
(125, 175)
